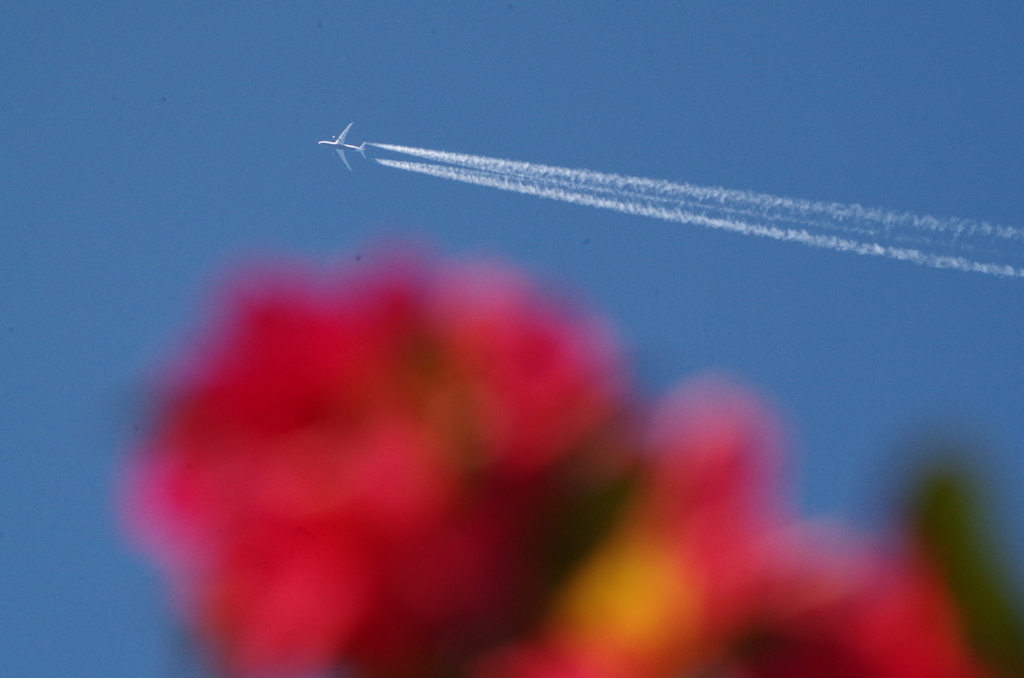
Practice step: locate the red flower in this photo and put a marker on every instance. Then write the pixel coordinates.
(361, 471)
(709, 574)
(426, 473)
(781, 598)
(884, 617)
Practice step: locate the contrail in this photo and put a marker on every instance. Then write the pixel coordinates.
(942, 243)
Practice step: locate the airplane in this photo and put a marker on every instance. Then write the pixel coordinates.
(340, 146)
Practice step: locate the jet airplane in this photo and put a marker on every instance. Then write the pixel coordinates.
(340, 146)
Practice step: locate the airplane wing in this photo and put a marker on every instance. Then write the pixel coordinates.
(341, 137)
(342, 154)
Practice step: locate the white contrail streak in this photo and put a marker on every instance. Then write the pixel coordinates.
(950, 243)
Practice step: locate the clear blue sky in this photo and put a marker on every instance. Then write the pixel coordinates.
(144, 147)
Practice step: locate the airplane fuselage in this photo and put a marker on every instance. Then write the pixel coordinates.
(338, 144)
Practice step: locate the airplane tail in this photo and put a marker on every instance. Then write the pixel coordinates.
(362, 149)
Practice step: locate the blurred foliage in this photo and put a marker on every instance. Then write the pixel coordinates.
(584, 521)
(947, 515)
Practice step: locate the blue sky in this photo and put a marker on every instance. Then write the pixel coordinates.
(144, 148)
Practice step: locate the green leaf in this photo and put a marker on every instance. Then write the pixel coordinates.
(584, 522)
(947, 518)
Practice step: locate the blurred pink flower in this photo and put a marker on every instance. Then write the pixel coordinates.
(428, 472)
(361, 470)
(710, 574)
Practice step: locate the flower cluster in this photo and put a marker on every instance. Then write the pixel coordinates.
(434, 472)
